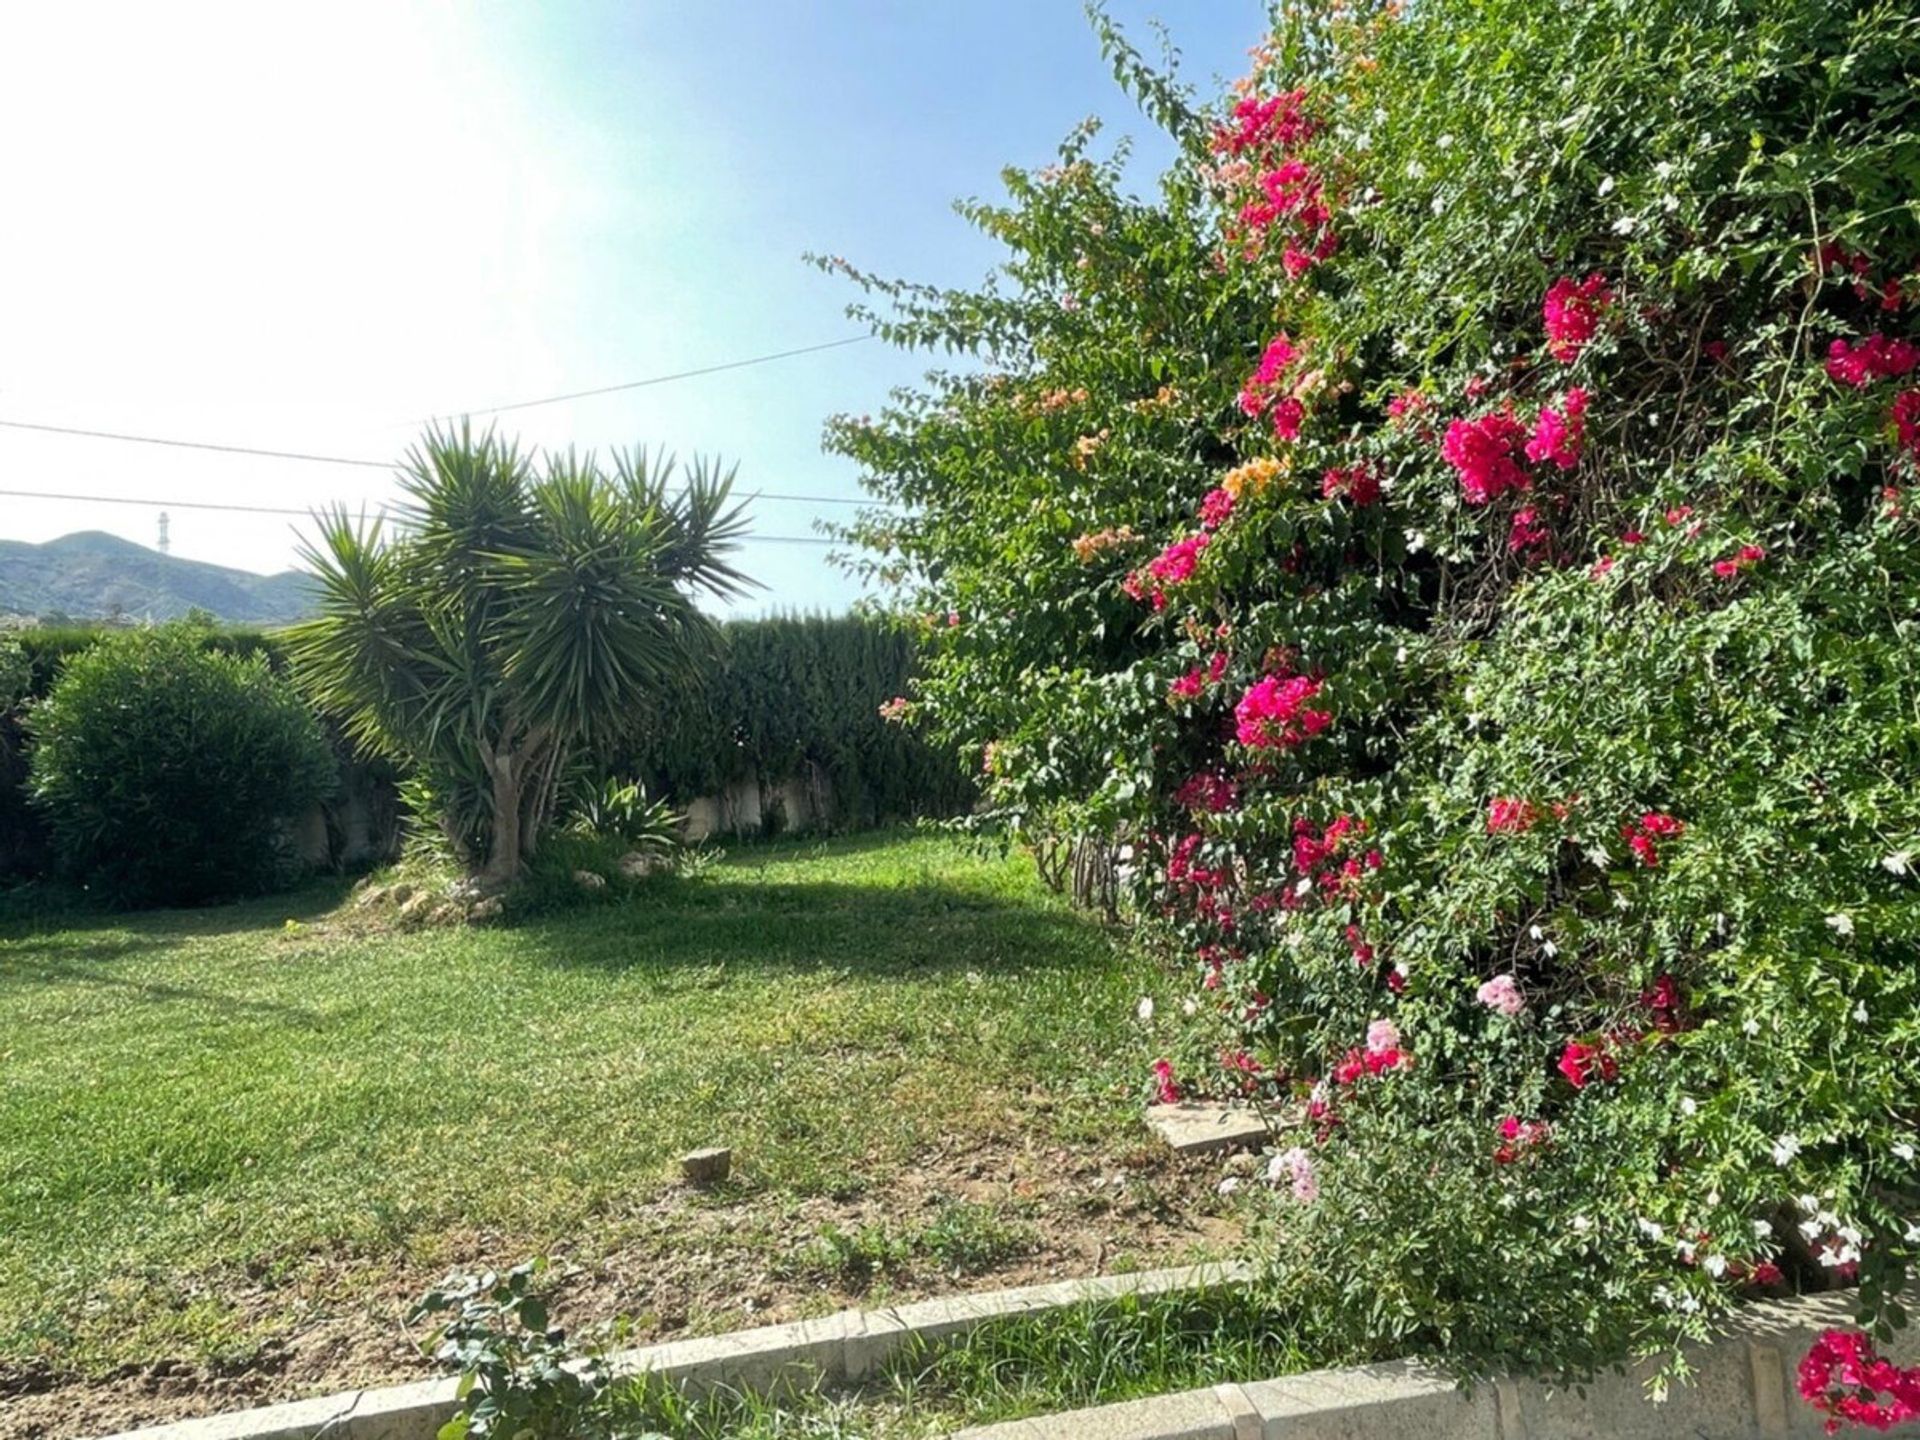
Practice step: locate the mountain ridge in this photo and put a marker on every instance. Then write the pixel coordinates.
(91, 575)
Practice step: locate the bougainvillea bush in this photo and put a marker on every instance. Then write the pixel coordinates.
(1461, 538)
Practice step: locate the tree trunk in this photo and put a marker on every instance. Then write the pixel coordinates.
(503, 847)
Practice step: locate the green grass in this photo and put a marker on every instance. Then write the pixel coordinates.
(212, 1119)
(1064, 1360)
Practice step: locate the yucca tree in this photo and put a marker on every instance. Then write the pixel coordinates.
(519, 613)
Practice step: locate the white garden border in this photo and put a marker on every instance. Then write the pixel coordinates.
(1742, 1386)
(839, 1349)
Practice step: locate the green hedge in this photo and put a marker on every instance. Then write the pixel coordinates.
(799, 690)
(792, 690)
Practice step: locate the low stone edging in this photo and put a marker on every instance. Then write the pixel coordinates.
(843, 1348)
(1742, 1388)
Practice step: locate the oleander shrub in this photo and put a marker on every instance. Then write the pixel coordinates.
(167, 772)
(1460, 538)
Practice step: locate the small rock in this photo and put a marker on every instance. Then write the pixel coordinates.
(1241, 1162)
(706, 1167)
(638, 864)
(588, 880)
(486, 910)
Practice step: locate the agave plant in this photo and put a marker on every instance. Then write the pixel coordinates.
(519, 613)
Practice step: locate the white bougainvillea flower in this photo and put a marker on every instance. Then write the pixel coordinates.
(1785, 1148)
(1842, 924)
(1144, 1009)
(1900, 862)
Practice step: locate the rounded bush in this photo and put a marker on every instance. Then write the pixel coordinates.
(168, 772)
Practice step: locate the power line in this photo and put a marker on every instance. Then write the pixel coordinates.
(654, 380)
(305, 514)
(197, 445)
(318, 459)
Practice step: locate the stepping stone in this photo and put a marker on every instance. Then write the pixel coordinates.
(1195, 1127)
(706, 1167)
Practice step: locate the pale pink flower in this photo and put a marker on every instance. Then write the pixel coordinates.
(1502, 994)
(1382, 1036)
(1295, 1165)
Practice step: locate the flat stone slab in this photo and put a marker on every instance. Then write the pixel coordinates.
(1195, 1127)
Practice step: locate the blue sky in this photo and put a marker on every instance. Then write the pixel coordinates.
(304, 228)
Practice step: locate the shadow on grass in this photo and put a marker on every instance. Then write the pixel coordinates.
(742, 923)
(731, 919)
(93, 969)
(30, 913)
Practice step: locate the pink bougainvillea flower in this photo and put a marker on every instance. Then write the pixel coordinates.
(1662, 999)
(1382, 1036)
(1165, 1085)
(1641, 834)
(1518, 1136)
(1176, 563)
(1906, 425)
(1527, 534)
(1875, 357)
(1508, 815)
(1582, 1063)
(1356, 484)
(1255, 123)
(1296, 1167)
(1215, 509)
(1844, 1376)
(1136, 588)
(1267, 391)
(1560, 435)
(1257, 394)
(1573, 311)
(1274, 713)
(1483, 453)
(1502, 994)
(1214, 794)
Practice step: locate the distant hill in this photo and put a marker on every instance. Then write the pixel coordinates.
(93, 576)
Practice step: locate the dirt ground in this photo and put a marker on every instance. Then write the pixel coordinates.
(676, 1264)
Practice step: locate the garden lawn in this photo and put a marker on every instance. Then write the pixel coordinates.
(234, 1143)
